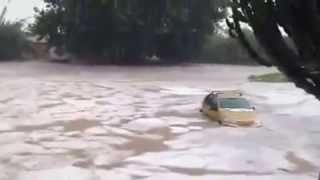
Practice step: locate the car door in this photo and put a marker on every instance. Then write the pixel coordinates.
(213, 111)
(205, 105)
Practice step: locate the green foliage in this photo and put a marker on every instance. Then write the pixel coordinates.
(272, 78)
(12, 39)
(225, 50)
(129, 30)
(288, 31)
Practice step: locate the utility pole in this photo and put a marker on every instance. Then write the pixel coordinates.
(3, 12)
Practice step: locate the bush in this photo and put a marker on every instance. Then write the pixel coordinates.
(272, 77)
(224, 50)
(12, 41)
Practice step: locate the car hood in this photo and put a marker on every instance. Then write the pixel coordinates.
(238, 110)
(238, 117)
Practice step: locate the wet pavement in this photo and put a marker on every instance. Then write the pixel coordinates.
(106, 122)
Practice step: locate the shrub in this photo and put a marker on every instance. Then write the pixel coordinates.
(12, 40)
(224, 50)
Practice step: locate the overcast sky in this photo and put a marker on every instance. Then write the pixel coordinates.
(21, 9)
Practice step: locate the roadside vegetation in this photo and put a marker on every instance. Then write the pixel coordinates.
(275, 22)
(225, 50)
(130, 31)
(13, 41)
(272, 78)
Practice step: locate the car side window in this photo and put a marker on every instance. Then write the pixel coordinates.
(212, 102)
(207, 99)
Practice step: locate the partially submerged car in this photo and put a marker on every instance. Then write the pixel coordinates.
(229, 108)
(59, 55)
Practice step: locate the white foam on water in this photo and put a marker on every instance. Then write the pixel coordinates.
(20, 147)
(183, 91)
(10, 137)
(4, 126)
(280, 176)
(96, 131)
(133, 171)
(119, 131)
(145, 124)
(285, 97)
(112, 175)
(181, 121)
(195, 128)
(276, 94)
(72, 144)
(309, 108)
(72, 133)
(108, 158)
(179, 130)
(57, 128)
(219, 150)
(105, 140)
(111, 122)
(42, 134)
(64, 173)
(171, 159)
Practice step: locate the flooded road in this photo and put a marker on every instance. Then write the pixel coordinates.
(126, 123)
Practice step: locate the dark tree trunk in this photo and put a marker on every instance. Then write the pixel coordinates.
(301, 24)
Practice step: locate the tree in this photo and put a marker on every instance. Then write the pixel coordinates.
(274, 22)
(129, 30)
(12, 39)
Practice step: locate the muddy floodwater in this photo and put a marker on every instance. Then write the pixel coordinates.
(74, 122)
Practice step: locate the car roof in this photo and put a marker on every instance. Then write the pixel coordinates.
(228, 94)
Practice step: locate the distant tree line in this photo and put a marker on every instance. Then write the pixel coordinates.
(128, 31)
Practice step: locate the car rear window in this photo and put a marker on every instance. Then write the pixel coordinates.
(234, 103)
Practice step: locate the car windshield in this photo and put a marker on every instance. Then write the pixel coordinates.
(234, 103)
